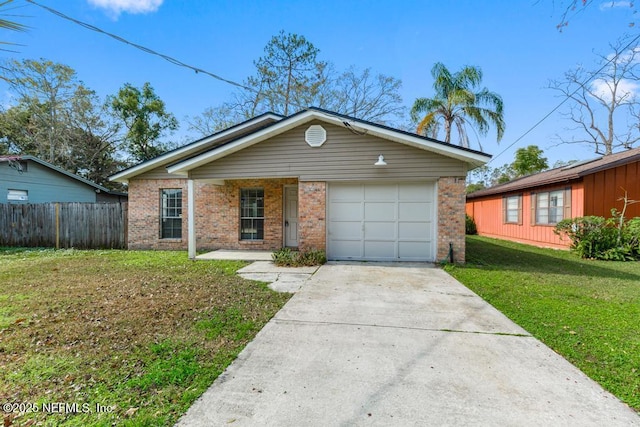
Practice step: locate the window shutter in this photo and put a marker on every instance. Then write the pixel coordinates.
(504, 209)
(567, 203)
(532, 197)
(520, 209)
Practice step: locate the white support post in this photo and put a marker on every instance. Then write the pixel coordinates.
(191, 219)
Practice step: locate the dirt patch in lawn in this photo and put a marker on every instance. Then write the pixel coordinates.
(124, 337)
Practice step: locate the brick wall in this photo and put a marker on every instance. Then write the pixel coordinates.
(144, 214)
(218, 214)
(311, 215)
(451, 205)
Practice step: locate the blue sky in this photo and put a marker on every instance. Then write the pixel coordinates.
(514, 42)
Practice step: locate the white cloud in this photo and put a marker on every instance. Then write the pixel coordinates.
(129, 6)
(611, 4)
(627, 89)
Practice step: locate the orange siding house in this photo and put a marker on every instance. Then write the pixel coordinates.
(527, 209)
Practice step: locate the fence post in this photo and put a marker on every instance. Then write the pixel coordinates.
(57, 225)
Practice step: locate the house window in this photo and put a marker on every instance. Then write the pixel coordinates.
(252, 214)
(17, 196)
(550, 207)
(512, 209)
(171, 213)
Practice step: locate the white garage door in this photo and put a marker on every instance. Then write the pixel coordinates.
(381, 222)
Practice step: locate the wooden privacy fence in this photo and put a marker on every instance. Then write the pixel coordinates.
(64, 225)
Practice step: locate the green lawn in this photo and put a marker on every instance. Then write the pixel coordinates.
(119, 338)
(588, 311)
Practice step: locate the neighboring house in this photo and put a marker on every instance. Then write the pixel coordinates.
(527, 209)
(312, 180)
(28, 179)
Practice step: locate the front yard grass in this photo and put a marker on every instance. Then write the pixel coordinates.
(587, 311)
(119, 338)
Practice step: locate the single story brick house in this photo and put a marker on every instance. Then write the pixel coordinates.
(312, 180)
(527, 209)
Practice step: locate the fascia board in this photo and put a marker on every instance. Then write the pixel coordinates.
(175, 155)
(284, 125)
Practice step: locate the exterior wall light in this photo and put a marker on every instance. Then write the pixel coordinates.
(380, 161)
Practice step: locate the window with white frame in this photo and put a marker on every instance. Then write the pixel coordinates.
(252, 214)
(550, 207)
(17, 195)
(171, 213)
(512, 209)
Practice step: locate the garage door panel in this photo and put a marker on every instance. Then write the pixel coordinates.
(414, 211)
(380, 192)
(346, 211)
(380, 211)
(415, 231)
(380, 231)
(350, 192)
(380, 250)
(415, 251)
(348, 230)
(347, 250)
(415, 191)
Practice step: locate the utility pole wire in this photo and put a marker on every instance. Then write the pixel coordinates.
(175, 61)
(140, 47)
(580, 86)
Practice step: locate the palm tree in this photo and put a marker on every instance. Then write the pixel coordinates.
(457, 102)
(6, 24)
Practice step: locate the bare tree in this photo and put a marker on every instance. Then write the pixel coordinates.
(214, 119)
(290, 77)
(569, 9)
(366, 96)
(604, 105)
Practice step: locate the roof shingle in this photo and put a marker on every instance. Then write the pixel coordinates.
(562, 174)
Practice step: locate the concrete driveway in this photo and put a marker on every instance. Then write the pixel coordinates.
(399, 345)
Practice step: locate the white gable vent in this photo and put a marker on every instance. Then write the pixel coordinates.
(315, 135)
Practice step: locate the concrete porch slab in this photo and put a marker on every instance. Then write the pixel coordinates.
(225, 254)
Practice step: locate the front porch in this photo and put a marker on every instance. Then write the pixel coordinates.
(251, 217)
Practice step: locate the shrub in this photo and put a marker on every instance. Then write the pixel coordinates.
(312, 257)
(470, 225)
(595, 237)
(286, 257)
(283, 257)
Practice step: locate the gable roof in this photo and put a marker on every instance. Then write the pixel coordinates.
(60, 171)
(472, 157)
(563, 174)
(198, 146)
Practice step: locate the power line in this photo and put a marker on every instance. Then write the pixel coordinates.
(580, 86)
(175, 61)
(168, 58)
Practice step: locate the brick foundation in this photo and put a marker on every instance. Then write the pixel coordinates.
(451, 205)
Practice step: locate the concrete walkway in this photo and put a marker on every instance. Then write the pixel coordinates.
(280, 279)
(398, 345)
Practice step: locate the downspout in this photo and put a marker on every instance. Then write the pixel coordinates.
(451, 252)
